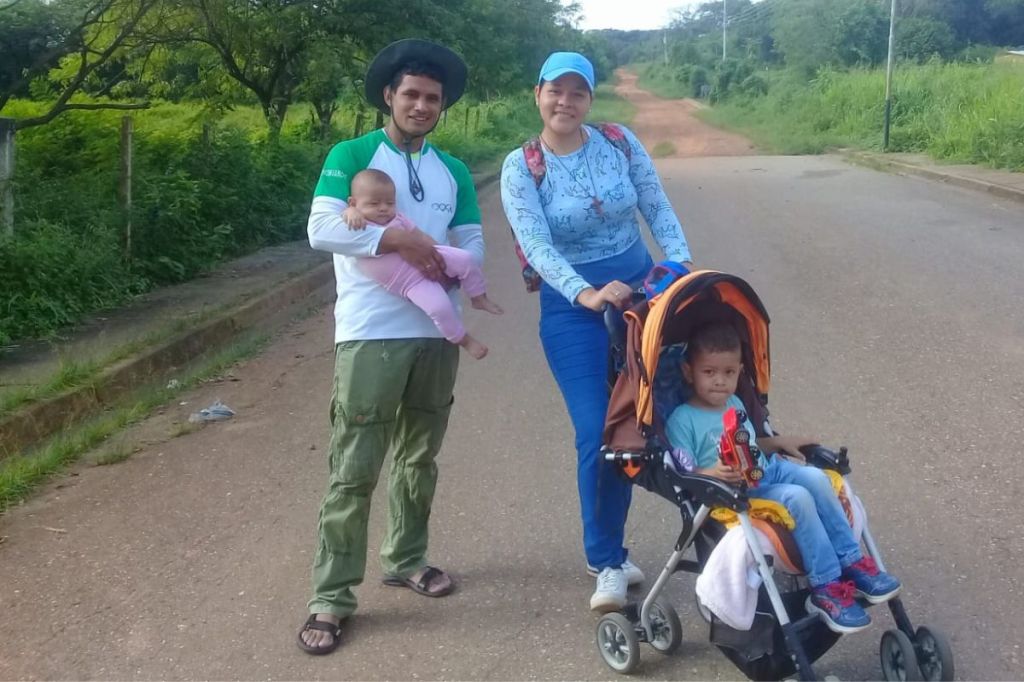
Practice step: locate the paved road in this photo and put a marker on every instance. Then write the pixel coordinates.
(897, 330)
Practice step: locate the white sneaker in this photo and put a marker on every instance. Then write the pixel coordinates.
(634, 576)
(610, 594)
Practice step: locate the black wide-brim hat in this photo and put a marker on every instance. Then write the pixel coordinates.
(396, 55)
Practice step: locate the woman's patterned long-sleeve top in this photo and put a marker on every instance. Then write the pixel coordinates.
(558, 225)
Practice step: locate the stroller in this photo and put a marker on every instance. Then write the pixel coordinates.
(784, 638)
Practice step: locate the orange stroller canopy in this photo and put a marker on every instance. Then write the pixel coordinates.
(668, 319)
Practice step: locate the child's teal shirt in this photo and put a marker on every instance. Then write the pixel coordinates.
(698, 430)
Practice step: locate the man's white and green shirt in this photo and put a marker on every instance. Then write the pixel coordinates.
(448, 213)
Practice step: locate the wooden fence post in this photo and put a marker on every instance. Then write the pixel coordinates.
(360, 114)
(7, 175)
(125, 184)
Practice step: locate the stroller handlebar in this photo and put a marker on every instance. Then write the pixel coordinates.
(824, 458)
(698, 487)
(711, 491)
(613, 320)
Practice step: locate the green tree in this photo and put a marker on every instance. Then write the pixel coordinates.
(519, 36)
(815, 33)
(860, 33)
(1007, 22)
(262, 44)
(920, 38)
(330, 71)
(32, 38)
(57, 48)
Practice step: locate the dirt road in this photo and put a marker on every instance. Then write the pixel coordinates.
(671, 122)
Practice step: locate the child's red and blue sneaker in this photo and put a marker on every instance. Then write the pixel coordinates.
(835, 604)
(872, 585)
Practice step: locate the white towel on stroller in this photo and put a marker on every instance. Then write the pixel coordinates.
(729, 583)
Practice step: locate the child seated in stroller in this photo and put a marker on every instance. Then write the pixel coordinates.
(836, 568)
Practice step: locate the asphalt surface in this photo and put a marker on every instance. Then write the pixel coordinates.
(897, 330)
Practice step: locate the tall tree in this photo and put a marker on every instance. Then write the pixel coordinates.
(68, 43)
(330, 71)
(262, 44)
(520, 35)
(1007, 22)
(814, 33)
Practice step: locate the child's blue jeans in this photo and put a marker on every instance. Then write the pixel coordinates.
(822, 534)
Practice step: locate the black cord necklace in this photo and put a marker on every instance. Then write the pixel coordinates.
(413, 170)
(596, 202)
(415, 185)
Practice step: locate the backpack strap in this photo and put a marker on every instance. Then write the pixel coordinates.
(614, 134)
(533, 153)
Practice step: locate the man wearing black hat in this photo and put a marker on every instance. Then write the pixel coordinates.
(394, 373)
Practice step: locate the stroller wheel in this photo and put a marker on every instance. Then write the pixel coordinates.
(899, 660)
(935, 656)
(668, 631)
(618, 643)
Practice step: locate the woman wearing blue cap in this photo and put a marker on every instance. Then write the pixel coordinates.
(571, 196)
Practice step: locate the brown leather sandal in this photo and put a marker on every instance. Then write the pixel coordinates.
(313, 624)
(422, 586)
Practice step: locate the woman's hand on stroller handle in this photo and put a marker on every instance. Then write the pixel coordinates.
(615, 293)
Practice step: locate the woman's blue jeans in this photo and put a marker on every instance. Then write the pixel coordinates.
(575, 343)
(822, 534)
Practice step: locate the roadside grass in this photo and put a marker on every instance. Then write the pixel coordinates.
(76, 374)
(962, 113)
(665, 82)
(21, 474)
(70, 374)
(117, 452)
(663, 149)
(610, 107)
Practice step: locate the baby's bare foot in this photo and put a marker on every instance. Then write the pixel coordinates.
(473, 347)
(481, 302)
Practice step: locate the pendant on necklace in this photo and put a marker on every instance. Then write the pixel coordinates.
(598, 205)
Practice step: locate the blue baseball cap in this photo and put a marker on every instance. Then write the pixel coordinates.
(560, 63)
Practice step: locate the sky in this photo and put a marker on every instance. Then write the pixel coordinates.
(628, 15)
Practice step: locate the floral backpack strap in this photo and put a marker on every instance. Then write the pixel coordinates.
(614, 134)
(534, 155)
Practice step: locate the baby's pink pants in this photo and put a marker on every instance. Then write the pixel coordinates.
(404, 280)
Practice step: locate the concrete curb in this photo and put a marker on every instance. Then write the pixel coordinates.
(43, 419)
(38, 421)
(879, 162)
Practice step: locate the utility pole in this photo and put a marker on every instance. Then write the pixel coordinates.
(724, 20)
(888, 75)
